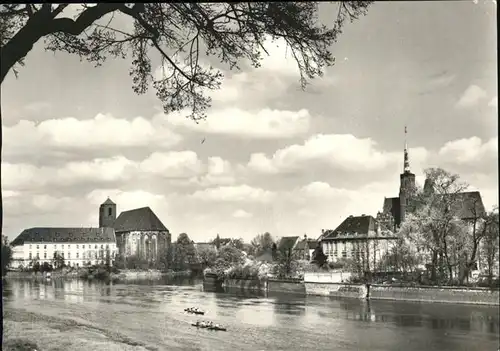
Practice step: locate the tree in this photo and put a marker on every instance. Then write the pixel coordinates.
(286, 262)
(177, 32)
(207, 256)
(185, 253)
(217, 242)
(318, 257)
(228, 256)
(6, 256)
(58, 260)
(262, 243)
(490, 248)
(434, 226)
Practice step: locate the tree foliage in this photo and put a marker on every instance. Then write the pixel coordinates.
(178, 33)
(185, 253)
(228, 256)
(6, 258)
(262, 243)
(318, 257)
(207, 256)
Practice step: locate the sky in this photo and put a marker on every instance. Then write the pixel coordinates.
(270, 156)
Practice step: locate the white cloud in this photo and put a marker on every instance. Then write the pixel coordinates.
(174, 164)
(127, 200)
(240, 193)
(242, 214)
(169, 165)
(465, 151)
(343, 151)
(472, 95)
(264, 124)
(103, 131)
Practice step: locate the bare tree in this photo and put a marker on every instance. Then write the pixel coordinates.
(434, 225)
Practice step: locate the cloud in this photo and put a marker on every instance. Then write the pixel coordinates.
(240, 193)
(241, 214)
(264, 124)
(342, 151)
(182, 165)
(470, 150)
(472, 95)
(101, 132)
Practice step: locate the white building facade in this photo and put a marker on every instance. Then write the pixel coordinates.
(76, 247)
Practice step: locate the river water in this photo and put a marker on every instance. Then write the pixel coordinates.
(77, 315)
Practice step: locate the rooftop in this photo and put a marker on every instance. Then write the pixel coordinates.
(47, 234)
(138, 219)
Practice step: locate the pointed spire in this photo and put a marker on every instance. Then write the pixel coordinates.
(406, 158)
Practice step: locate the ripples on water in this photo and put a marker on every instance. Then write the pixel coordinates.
(78, 315)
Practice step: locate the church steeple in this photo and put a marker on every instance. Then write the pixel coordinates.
(406, 167)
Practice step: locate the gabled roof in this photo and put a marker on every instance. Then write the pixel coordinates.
(312, 243)
(306, 244)
(354, 227)
(41, 234)
(108, 202)
(138, 219)
(468, 205)
(287, 242)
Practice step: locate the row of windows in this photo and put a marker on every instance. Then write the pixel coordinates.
(89, 254)
(69, 246)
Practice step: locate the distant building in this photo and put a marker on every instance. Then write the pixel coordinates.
(139, 232)
(205, 246)
(305, 248)
(467, 206)
(357, 237)
(136, 232)
(76, 246)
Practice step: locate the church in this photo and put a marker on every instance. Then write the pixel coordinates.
(138, 232)
(395, 209)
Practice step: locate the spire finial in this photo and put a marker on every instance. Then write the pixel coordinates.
(406, 158)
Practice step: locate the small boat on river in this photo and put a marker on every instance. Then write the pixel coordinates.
(209, 326)
(194, 310)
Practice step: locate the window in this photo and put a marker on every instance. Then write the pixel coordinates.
(77, 256)
(344, 254)
(95, 247)
(69, 246)
(44, 255)
(38, 255)
(45, 247)
(69, 255)
(55, 246)
(107, 246)
(102, 246)
(77, 246)
(37, 247)
(83, 246)
(110, 211)
(30, 246)
(62, 246)
(30, 255)
(62, 254)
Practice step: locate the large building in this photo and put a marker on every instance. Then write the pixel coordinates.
(77, 247)
(467, 205)
(360, 237)
(137, 232)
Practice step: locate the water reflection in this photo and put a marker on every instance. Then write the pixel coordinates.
(143, 311)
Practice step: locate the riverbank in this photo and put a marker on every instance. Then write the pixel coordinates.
(432, 294)
(86, 274)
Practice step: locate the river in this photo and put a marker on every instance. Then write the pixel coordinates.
(77, 315)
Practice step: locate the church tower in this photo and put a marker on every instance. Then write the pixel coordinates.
(107, 214)
(407, 185)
